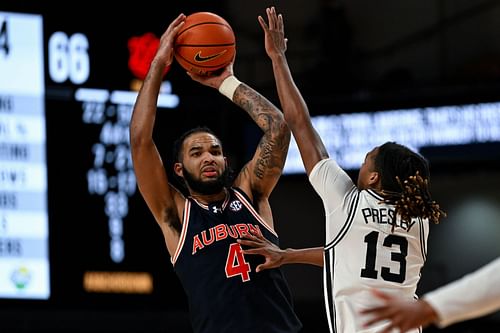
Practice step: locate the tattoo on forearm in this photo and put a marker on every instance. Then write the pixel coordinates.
(261, 110)
(273, 146)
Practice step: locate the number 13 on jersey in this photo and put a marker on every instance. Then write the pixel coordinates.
(398, 256)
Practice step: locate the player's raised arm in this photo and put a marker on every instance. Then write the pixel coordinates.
(260, 175)
(148, 166)
(294, 107)
(266, 166)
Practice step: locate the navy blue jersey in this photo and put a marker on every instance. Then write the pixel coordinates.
(224, 292)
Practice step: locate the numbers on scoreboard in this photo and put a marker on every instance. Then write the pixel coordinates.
(68, 57)
(4, 38)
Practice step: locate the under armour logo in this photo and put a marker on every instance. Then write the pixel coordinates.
(216, 209)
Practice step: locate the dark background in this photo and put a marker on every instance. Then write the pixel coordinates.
(347, 56)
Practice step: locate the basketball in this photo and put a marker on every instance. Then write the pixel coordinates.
(205, 44)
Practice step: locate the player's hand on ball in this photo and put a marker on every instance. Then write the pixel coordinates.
(165, 51)
(206, 44)
(214, 80)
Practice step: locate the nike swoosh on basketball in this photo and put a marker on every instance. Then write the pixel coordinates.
(199, 58)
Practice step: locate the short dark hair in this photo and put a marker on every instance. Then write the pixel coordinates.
(177, 149)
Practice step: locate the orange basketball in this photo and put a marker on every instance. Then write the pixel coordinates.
(205, 43)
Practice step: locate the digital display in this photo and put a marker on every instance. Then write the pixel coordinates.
(111, 175)
(24, 236)
(73, 226)
(348, 137)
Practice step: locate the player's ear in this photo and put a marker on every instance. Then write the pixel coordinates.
(178, 169)
(374, 178)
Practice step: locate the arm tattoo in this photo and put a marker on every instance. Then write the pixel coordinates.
(265, 158)
(261, 110)
(274, 144)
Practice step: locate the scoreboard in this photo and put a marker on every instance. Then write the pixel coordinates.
(24, 266)
(73, 226)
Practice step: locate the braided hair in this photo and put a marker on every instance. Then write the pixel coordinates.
(405, 183)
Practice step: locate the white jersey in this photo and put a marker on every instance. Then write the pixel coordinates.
(362, 252)
(475, 294)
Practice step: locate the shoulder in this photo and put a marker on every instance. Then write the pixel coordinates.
(324, 167)
(240, 194)
(243, 185)
(327, 177)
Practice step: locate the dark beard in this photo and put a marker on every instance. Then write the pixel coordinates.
(208, 187)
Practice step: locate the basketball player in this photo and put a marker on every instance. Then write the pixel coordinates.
(376, 232)
(474, 295)
(200, 230)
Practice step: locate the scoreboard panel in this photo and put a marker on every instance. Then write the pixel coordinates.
(74, 229)
(24, 267)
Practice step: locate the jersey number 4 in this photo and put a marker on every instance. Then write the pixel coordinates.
(370, 272)
(236, 264)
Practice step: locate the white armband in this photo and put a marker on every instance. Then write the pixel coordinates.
(228, 86)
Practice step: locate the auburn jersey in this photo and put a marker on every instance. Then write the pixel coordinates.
(224, 292)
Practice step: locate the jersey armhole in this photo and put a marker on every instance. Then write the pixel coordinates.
(246, 201)
(182, 236)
